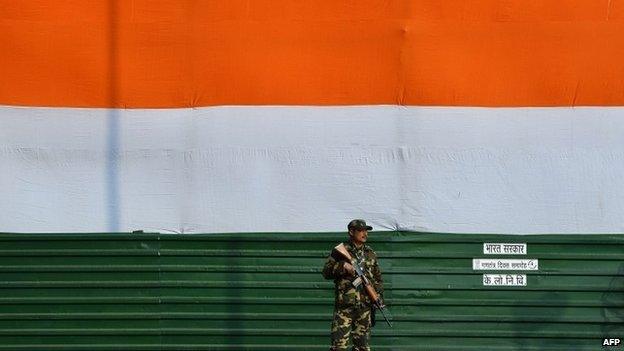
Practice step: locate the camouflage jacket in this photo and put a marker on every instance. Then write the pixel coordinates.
(345, 294)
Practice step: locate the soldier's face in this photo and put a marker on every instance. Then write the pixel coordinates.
(359, 236)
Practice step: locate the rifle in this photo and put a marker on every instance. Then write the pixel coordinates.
(361, 279)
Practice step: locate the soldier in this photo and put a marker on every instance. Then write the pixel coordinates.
(352, 306)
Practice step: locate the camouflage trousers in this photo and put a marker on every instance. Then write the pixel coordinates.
(351, 321)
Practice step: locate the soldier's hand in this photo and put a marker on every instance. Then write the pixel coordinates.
(349, 268)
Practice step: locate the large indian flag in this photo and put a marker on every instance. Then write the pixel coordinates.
(255, 116)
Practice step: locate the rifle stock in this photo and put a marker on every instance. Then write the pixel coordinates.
(344, 252)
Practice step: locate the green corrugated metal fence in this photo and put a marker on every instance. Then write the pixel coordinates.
(265, 292)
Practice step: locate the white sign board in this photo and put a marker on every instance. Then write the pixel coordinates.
(504, 249)
(505, 264)
(504, 279)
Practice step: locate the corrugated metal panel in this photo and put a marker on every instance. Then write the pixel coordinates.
(265, 292)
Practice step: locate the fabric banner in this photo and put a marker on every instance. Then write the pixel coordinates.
(294, 169)
(230, 116)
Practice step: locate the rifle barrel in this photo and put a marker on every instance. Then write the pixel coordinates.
(385, 317)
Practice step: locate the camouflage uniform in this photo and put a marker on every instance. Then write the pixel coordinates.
(352, 307)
